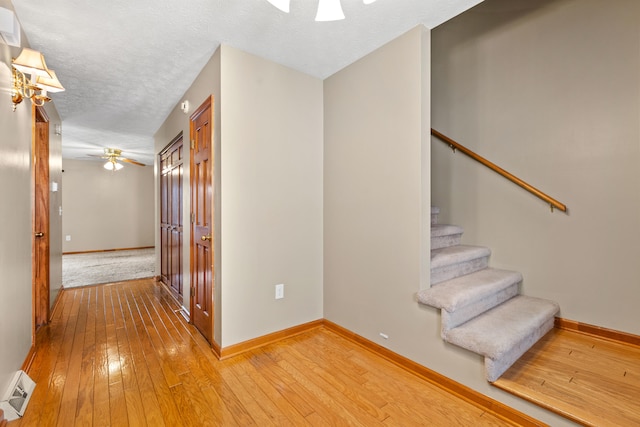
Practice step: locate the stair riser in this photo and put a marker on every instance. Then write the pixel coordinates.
(449, 272)
(464, 314)
(445, 241)
(495, 368)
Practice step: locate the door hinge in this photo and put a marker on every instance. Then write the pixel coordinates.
(193, 217)
(193, 144)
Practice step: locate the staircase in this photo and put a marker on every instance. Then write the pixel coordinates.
(481, 307)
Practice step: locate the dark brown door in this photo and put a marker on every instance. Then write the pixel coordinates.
(172, 167)
(202, 220)
(40, 253)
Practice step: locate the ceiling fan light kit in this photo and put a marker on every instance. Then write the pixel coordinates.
(328, 10)
(114, 157)
(112, 165)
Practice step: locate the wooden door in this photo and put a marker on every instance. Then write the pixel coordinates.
(171, 224)
(202, 238)
(40, 221)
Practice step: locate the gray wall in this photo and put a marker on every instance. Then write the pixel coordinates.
(550, 91)
(104, 209)
(16, 194)
(374, 193)
(376, 211)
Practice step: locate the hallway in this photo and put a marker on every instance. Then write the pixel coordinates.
(120, 355)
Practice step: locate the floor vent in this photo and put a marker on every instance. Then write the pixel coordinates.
(15, 400)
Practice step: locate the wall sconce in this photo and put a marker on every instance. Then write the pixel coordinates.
(42, 79)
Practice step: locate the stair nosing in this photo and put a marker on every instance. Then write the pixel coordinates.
(549, 309)
(455, 302)
(445, 256)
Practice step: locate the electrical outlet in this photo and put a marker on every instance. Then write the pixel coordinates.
(68, 238)
(280, 291)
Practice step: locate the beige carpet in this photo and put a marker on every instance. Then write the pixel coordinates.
(107, 267)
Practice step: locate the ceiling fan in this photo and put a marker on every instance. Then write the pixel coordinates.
(113, 156)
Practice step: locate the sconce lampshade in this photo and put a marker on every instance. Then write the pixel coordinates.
(283, 5)
(329, 10)
(31, 62)
(50, 84)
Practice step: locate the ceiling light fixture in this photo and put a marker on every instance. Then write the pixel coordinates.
(328, 10)
(112, 165)
(283, 5)
(42, 78)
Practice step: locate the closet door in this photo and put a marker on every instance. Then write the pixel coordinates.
(171, 219)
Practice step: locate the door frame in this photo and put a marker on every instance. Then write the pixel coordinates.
(40, 221)
(208, 103)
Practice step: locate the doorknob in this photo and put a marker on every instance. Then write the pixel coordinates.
(39, 234)
(206, 238)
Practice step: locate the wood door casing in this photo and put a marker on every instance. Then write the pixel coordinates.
(202, 238)
(171, 218)
(40, 217)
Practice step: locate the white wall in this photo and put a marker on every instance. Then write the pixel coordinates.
(550, 91)
(104, 209)
(271, 154)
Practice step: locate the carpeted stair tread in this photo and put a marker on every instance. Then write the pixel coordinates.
(443, 235)
(465, 290)
(457, 254)
(434, 215)
(499, 330)
(439, 230)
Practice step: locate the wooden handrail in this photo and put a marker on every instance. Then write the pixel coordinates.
(531, 189)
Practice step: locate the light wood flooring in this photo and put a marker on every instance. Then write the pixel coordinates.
(120, 354)
(593, 381)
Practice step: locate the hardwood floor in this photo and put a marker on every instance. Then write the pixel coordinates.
(593, 381)
(119, 355)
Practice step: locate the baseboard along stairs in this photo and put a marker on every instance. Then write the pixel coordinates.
(481, 307)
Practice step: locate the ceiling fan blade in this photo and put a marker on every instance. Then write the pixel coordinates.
(133, 162)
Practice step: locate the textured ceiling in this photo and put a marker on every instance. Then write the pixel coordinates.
(126, 63)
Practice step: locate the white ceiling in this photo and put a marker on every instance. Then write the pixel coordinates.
(126, 63)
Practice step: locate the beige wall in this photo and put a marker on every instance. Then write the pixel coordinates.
(271, 196)
(549, 90)
(268, 143)
(206, 84)
(375, 113)
(55, 204)
(376, 211)
(104, 209)
(16, 195)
